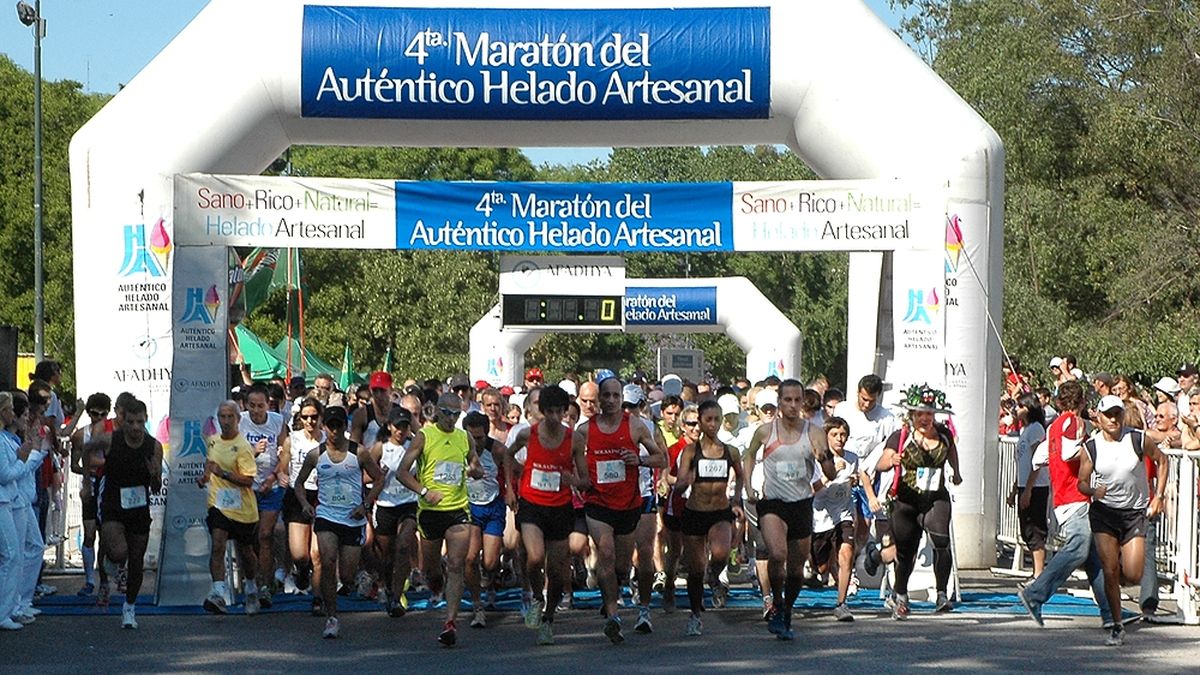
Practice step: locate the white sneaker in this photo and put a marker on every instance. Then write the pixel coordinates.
(331, 628)
(289, 585)
(9, 624)
(643, 624)
(478, 618)
(128, 618)
(694, 626)
(23, 619)
(45, 589)
(252, 604)
(31, 610)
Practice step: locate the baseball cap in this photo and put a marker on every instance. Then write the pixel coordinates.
(506, 390)
(1187, 370)
(1167, 385)
(1077, 373)
(1109, 402)
(767, 397)
(729, 405)
(655, 395)
(480, 385)
(569, 387)
(604, 374)
(1103, 378)
(534, 374)
(633, 394)
(381, 380)
(400, 416)
(1055, 362)
(460, 381)
(672, 385)
(335, 413)
(297, 382)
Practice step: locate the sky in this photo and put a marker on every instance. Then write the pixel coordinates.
(104, 43)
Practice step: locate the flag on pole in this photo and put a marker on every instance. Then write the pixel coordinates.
(387, 360)
(347, 378)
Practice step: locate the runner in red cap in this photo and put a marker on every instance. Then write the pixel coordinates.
(533, 379)
(368, 426)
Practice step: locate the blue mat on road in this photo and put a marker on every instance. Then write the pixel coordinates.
(510, 601)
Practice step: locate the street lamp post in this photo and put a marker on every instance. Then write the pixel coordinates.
(32, 16)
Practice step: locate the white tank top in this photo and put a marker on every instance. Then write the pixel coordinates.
(394, 493)
(271, 430)
(301, 445)
(484, 491)
(1119, 466)
(339, 488)
(787, 469)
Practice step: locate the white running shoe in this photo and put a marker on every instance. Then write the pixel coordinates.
(694, 626)
(331, 628)
(128, 617)
(289, 585)
(478, 618)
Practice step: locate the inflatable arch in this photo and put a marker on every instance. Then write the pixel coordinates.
(244, 81)
(771, 341)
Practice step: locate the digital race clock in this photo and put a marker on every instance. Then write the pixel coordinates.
(594, 312)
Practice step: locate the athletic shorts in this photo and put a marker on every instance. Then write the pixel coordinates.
(90, 505)
(753, 533)
(388, 518)
(861, 502)
(580, 522)
(650, 504)
(671, 522)
(883, 532)
(271, 501)
(698, 523)
(1124, 524)
(293, 512)
(136, 521)
(555, 522)
(491, 518)
(1034, 521)
(796, 516)
(622, 522)
(242, 533)
(347, 535)
(825, 544)
(434, 524)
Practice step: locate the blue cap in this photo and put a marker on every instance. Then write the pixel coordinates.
(604, 374)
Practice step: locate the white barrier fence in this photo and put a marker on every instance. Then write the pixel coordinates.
(1176, 554)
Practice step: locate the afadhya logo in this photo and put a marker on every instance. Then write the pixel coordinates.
(921, 307)
(954, 244)
(151, 257)
(201, 306)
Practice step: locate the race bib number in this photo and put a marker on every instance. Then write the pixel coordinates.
(838, 491)
(448, 473)
(788, 471)
(133, 497)
(611, 471)
(229, 499)
(476, 492)
(929, 479)
(340, 496)
(545, 481)
(713, 468)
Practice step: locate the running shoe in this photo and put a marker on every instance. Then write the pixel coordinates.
(889, 603)
(331, 628)
(612, 630)
(735, 565)
(364, 585)
(643, 624)
(215, 603)
(872, 559)
(318, 607)
(252, 604)
(943, 604)
(694, 626)
(768, 603)
(842, 613)
(265, 599)
(289, 585)
(88, 589)
(545, 634)
(852, 589)
(533, 614)
(46, 589)
(128, 617)
(775, 623)
(660, 582)
(103, 593)
(1116, 637)
(478, 618)
(9, 624)
(565, 603)
(787, 634)
(1034, 610)
(23, 618)
(720, 594)
(900, 611)
(449, 634)
(303, 580)
(435, 599)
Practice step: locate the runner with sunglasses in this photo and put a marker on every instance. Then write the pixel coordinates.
(301, 544)
(673, 505)
(395, 513)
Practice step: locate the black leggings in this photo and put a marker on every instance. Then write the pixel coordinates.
(908, 521)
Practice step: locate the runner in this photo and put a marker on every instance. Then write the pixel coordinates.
(1121, 502)
(791, 449)
(301, 544)
(606, 449)
(920, 451)
(445, 457)
(833, 514)
(88, 445)
(767, 403)
(707, 519)
(543, 505)
(264, 430)
(340, 517)
(229, 474)
(1031, 500)
(633, 402)
(368, 426)
(671, 536)
(488, 513)
(132, 470)
(395, 513)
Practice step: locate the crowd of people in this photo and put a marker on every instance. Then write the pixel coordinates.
(464, 488)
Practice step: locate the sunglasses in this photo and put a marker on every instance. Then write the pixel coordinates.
(691, 423)
(450, 412)
(97, 414)
(310, 418)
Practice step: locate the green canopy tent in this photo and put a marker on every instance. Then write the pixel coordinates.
(302, 360)
(264, 364)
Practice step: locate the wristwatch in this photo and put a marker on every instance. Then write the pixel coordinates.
(424, 491)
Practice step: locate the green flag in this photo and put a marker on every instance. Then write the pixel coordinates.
(348, 374)
(387, 360)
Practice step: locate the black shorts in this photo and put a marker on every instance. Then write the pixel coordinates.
(883, 531)
(796, 516)
(698, 523)
(136, 521)
(752, 532)
(825, 544)
(672, 523)
(1034, 521)
(388, 518)
(1124, 524)
(434, 524)
(622, 522)
(293, 512)
(242, 533)
(555, 522)
(580, 522)
(89, 504)
(347, 535)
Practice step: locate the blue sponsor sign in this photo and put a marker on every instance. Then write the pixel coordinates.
(568, 217)
(660, 306)
(535, 64)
